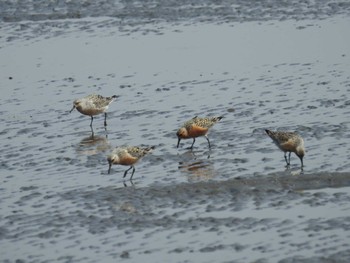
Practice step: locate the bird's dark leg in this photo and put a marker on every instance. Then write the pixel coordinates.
(92, 118)
(105, 119)
(208, 141)
(132, 174)
(127, 171)
(285, 157)
(289, 157)
(109, 169)
(194, 140)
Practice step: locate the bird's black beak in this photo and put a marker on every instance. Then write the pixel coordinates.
(178, 143)
(109, 168)
(72, 109)
(301, 160)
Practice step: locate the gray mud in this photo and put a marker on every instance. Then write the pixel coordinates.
(270, 218)
(278, 65)
(137, 12)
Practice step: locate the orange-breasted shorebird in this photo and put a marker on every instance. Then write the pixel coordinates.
(127, 155)
(196, 127)
(288, 142)
(93, 105)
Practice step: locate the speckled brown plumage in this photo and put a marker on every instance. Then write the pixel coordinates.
(93, 105)
(196, 127)
(288, 142)
(127, 155)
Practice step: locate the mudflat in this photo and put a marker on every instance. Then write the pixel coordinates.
(267, 65)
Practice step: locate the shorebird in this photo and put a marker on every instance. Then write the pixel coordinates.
(288, 142)
(127, 155)
(93, 105)
(196, 127)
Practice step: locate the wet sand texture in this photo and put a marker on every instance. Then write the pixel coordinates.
(280, 65)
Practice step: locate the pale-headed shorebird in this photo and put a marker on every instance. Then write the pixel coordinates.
(288, 142)
(92, 105)
(196, 127)
(127, 155)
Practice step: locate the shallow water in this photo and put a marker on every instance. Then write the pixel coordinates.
(236, 202)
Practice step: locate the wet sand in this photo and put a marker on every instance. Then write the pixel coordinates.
(234, 203)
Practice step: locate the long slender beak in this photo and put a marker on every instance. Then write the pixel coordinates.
(110, 166)
(72, 109)
(178, 143)
(302, 163)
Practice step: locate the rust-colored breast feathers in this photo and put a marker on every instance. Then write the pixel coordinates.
(196, 131)
(127, 159)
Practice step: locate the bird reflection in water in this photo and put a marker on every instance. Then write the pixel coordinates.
(93, 144)
(196, 168)
(126, 184)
